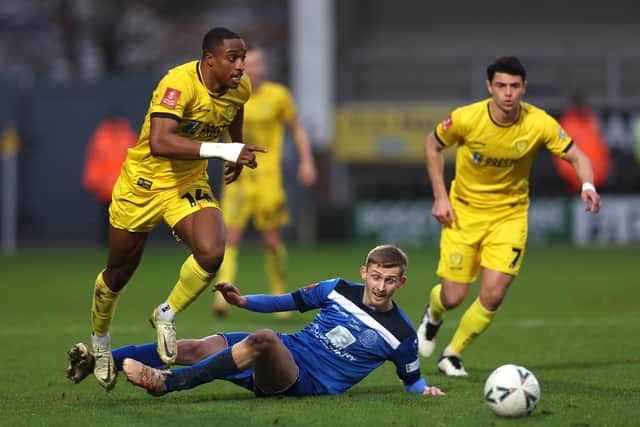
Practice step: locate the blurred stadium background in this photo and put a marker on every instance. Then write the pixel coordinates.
(371, 79)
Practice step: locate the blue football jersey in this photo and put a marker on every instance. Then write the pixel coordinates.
(347, 340)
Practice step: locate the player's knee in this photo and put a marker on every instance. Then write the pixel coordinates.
(117, 277)
(452, 300)
(491, 299)
(262, 339)
(210, 256)
(271, 239)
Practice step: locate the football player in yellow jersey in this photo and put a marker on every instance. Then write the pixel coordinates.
(164, 178)
(259, 193)
(484, 215)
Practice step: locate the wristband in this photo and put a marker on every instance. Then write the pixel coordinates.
(588, 186)
(220, 150)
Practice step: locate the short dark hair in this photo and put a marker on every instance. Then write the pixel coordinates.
(388, 256)
(506, 64)
(216, 37)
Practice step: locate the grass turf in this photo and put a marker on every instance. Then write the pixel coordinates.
(571, 317)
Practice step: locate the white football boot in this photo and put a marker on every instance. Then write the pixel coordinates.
(427, 331)
(450, 364)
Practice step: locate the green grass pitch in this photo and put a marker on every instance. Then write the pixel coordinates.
(572, 317)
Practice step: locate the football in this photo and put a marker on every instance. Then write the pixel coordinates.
(512, 391)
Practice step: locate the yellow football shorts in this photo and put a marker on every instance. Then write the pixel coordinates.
(266, 203)
(488, 238)
(138, 209)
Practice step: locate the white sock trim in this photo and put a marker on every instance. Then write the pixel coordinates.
(165, 313)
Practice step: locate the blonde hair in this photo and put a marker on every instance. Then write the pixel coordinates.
(388, 256)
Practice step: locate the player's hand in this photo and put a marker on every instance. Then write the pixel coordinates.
(231, 172)
(247, 155)
(433, 391)
(307, 174)
(443, 211)
(230, 293)
(592, 199)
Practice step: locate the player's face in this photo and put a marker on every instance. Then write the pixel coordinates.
(227, 62)
(506, 91)
(380, 283)
(255, 66)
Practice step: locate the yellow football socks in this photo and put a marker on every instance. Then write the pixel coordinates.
(436, 308)
(192, 281)
(473, 322)
(229, 267)
(276, 264)
(103, 307)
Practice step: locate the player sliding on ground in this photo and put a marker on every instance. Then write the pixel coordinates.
(359, 327)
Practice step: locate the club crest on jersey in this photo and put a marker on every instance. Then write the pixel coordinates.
(170, 98)
(230, 111)
(521, 146)
(368, 338)
(455, 260)
(446, 123)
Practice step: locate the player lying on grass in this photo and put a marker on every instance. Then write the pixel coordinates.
(358, 328)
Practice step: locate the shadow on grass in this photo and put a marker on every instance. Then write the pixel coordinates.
(186, 398)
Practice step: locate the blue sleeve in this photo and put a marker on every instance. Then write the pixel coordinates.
(315, 295)
(270, 303)
(417, 387)
(405, 357)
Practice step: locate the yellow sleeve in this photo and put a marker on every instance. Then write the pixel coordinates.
(451, 130)
(288, 106)
(172, 95)
(556, 139)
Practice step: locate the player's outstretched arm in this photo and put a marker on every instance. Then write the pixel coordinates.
(231, 294)
(584, 170)
(421, 387)
(259, 303)
(165, 142)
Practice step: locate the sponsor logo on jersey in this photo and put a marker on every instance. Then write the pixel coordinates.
(412, 366)
(498, 162)
(562, 133)
(192, 126)
(340, 337)
(208, 131)
(446, 124)
(501, 162)
(170, 98)
(477, 157)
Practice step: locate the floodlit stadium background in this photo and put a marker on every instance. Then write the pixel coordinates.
(371, 79)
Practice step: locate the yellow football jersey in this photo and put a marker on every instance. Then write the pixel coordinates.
(271, 107)
(202, 116)
(493, 161)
